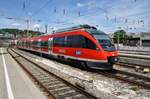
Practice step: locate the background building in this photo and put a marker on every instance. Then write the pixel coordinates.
(139, 39)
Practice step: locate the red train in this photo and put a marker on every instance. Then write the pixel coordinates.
(83, 44)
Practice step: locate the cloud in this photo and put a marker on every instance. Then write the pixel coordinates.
(16, 24)
(2, 11)
(88, 4)
(36, 25)
(80, 4)
(29, 13)
(93, 12)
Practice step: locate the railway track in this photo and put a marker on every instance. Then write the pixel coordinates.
(138, 51)
(136, 79)
(134, 52)
(131, 65)
(132, 78)
(54, 86)
(133, 61)
(128, 77)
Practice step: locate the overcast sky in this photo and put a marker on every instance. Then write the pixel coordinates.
(107, 15)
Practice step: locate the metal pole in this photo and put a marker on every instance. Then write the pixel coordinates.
(118, 40)
(140, 40)
(27, 28)
(46, 28)
(123, 38)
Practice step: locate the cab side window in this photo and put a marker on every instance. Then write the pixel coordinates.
(90, 44)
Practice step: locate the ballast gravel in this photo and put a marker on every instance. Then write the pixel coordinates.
(98, 85)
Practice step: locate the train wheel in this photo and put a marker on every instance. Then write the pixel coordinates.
(84, 65)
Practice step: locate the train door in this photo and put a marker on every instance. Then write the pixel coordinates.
(31, 45)
(39, 45)
(50, 45)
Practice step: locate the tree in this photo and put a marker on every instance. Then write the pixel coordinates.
(15, 32)
(119, 36)
(21, 33)
(32, 33)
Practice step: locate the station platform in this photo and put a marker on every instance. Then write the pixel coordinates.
(15, 83)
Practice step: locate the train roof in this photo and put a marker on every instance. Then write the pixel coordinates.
(88, 28)
(75, 28)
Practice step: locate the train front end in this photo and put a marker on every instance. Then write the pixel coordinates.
(108, 48)
(107, 53)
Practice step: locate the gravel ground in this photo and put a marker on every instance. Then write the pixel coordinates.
(96, 84)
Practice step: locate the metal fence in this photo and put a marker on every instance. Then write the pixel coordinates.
(131, 48)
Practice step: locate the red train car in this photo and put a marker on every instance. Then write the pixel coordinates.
(83, 43)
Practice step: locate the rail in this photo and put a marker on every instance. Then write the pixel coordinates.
(132, 78)
(54, 86)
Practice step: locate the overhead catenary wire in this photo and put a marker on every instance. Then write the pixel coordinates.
(79, 15)
(41, 8)
(141, 13)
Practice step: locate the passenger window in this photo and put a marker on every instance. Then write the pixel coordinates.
(76, 41)
(69, 41)
(59, 41)
(35, 43)
(44, 44)
(79, 41)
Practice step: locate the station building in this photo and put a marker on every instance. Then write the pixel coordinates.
(140, 39)
(6, 39)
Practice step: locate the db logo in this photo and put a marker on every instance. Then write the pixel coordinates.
(78, 52)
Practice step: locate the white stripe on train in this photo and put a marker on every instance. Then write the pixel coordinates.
(67, 56)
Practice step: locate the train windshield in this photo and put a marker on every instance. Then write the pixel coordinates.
(105, 42)
(103, 39)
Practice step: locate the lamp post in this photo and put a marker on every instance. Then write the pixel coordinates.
(118, 38)
(27, 28)
(45, 28)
